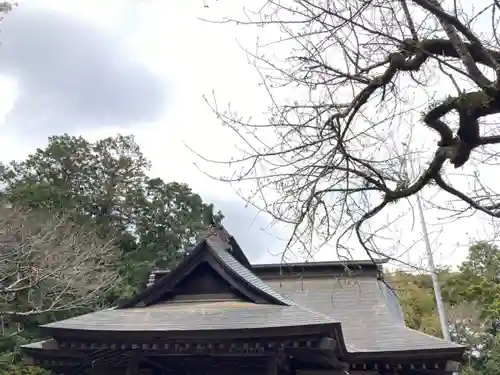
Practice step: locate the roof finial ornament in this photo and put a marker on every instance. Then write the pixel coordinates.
(214, 225)
(209, 217)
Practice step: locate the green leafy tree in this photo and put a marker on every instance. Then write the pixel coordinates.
(101, 180)
(471, 296)
(492, 366)
(477, 286)
(479, 281)
(105, 183)
(416, 295)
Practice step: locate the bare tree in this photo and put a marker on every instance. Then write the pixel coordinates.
(48, 263)
(355, 88)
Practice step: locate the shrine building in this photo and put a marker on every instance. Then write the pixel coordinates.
(217, 314)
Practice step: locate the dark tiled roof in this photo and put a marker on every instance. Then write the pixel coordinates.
(199, 316)
(218, 247)
(370, 316)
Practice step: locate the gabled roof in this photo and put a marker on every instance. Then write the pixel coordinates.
(159, 311)
(215, 252)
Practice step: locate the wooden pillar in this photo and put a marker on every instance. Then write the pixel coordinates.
(94, 370)
(132, 366)
(272, 365)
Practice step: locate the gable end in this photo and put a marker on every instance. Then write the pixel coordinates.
(227, 277)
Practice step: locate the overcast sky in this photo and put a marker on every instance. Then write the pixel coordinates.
(142, 66)
(138, 67)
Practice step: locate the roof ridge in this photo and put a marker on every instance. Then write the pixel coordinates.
(342, 263)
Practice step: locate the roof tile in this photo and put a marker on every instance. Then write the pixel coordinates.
(198, 316)
(370, 322)
(244, 273)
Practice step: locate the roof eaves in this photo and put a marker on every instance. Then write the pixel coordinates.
(448, 353)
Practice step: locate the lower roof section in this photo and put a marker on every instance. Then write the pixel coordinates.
(192, 318)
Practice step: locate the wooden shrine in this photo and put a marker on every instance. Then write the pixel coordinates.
(216, 314)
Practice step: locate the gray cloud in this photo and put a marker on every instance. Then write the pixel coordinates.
(72, 76)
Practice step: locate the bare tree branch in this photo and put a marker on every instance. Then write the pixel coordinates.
(322, 160)
(48, 263)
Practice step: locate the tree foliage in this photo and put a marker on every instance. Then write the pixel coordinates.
(470, 300)
(75, 218)
(481, 279)
(105, 184)
(371, 81)
(99, 180)
(24, 370)
(492, 365)
(416, 297)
